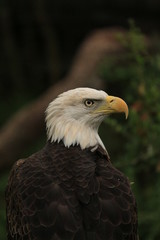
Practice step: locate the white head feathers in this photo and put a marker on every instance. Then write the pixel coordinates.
(70, 118)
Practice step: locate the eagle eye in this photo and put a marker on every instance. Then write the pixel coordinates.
(88, 102)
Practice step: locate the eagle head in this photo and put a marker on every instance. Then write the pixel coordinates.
(74, 116)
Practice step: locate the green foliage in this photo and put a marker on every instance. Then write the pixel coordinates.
(136, 76)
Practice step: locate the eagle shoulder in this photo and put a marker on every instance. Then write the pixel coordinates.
(37, 203)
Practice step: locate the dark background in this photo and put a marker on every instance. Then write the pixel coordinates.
(39, 38)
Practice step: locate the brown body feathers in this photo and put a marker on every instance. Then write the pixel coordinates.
(64, 193)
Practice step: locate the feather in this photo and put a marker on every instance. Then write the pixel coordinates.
(71, 193)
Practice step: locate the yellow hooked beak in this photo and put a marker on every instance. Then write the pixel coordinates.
(113, 105)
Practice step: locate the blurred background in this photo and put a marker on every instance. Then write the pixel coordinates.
(49, 46)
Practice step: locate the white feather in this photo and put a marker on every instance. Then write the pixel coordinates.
(68, 119)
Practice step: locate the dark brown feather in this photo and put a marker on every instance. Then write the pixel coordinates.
(66, 193)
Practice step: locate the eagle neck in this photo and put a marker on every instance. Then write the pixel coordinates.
(74, 133)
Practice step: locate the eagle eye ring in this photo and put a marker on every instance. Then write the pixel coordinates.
(88, 102)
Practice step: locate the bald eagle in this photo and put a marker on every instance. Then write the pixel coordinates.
(70, 190)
